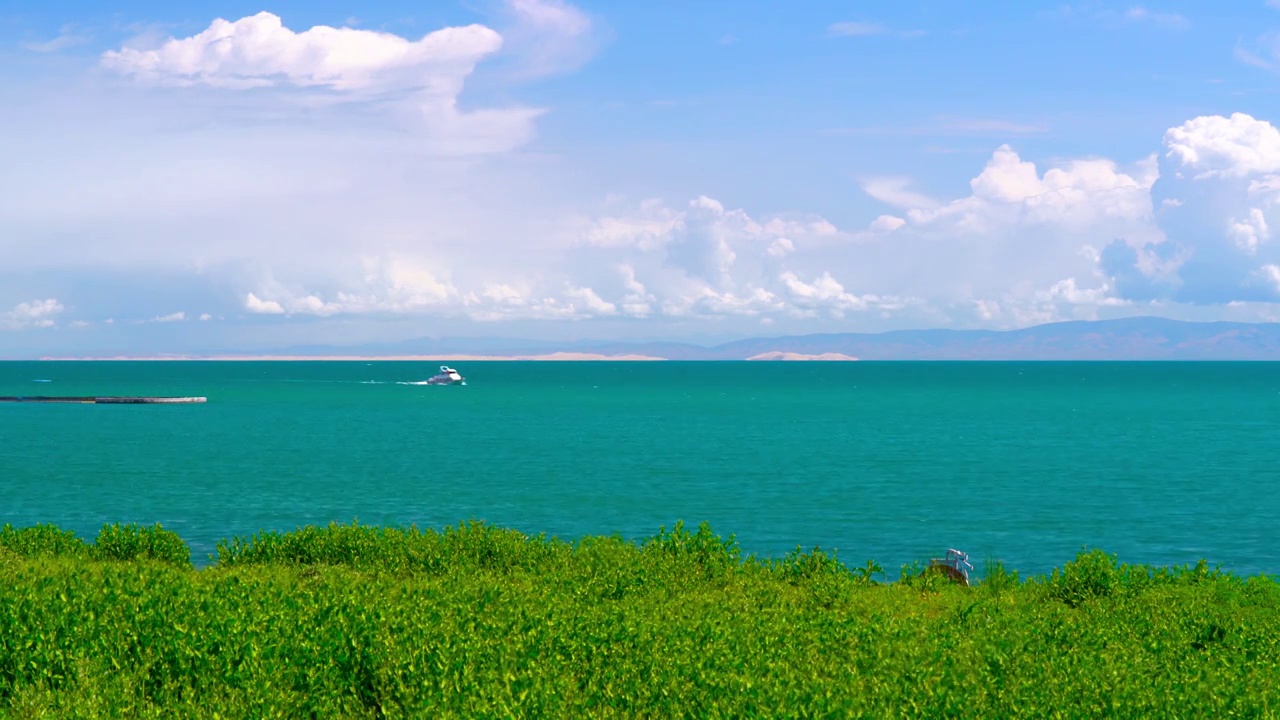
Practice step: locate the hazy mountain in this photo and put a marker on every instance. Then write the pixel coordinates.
(1138, 338)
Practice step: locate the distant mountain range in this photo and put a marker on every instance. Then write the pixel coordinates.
(1138, 338)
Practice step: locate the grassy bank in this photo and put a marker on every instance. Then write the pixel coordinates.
(476, 621)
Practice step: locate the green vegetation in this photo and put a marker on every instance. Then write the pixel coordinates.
(477, 621)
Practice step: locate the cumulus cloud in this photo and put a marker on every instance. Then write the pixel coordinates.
(1080, 192)
(1250, 231)
(259, 51)
(824, 293)
(637, 301)
(1045, 222)
(415, 82)
(699, 261)
(257, 305)
(781, 248)
(591, 302)
(886, 223)
(33, 314)
(353, 224)
(170, 318)
(1214, 146)
(1217, 194)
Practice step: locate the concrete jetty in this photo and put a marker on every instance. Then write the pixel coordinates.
(106, 400)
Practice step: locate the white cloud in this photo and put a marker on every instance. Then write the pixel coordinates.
(1011, 191)
(33, 314)
(708, 303)
(1007, 178)
(1217, 146)
(205, 317)
(257, 305)
(68, 36)
(591, 303)
(170, 318)
(1272, 273)
(638, 302)
(1172, 21)
(1249, 232)
(408, 284)
(412, 82)
(825, 293)
(886, 223)
(988, 126)
(781, 248)
(893, 191)
(1219, 197)
(549, 36)
(1068, 291)
(258, 51)
(645, 230)
(856, 29)
(552, 16)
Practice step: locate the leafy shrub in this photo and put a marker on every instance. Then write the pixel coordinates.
(996, 579)
(1093, 574)
(867, 573)
(42, 541)
(706, 551)
(486, 622)
(136, 542)
(467, 547)
(800, 566)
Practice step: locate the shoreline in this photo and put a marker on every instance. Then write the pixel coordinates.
(548, 357)
(773, 356)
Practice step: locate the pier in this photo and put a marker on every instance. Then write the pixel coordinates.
(106, 400)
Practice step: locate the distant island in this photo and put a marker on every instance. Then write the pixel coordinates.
(1136, 338)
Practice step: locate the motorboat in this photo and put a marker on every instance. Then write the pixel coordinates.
(446, 376)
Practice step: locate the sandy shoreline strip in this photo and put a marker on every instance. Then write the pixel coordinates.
(363, 358)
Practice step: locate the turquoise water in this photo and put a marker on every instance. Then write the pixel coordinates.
(1160, 463)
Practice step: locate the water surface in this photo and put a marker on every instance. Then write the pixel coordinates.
(1024, 462)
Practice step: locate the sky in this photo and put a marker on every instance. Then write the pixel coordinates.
(207, 177)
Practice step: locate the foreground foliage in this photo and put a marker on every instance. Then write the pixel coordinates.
(476, 621)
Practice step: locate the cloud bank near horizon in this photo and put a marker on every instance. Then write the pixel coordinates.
(251, 172)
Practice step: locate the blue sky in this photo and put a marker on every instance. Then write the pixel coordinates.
(243, 177)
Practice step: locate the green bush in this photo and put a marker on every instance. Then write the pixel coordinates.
(1093, 574)
(137, 542)
(997, 579)
(468, 547)
(477, 621)
(42, 541)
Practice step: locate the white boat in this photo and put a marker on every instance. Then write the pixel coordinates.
(446, 376)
